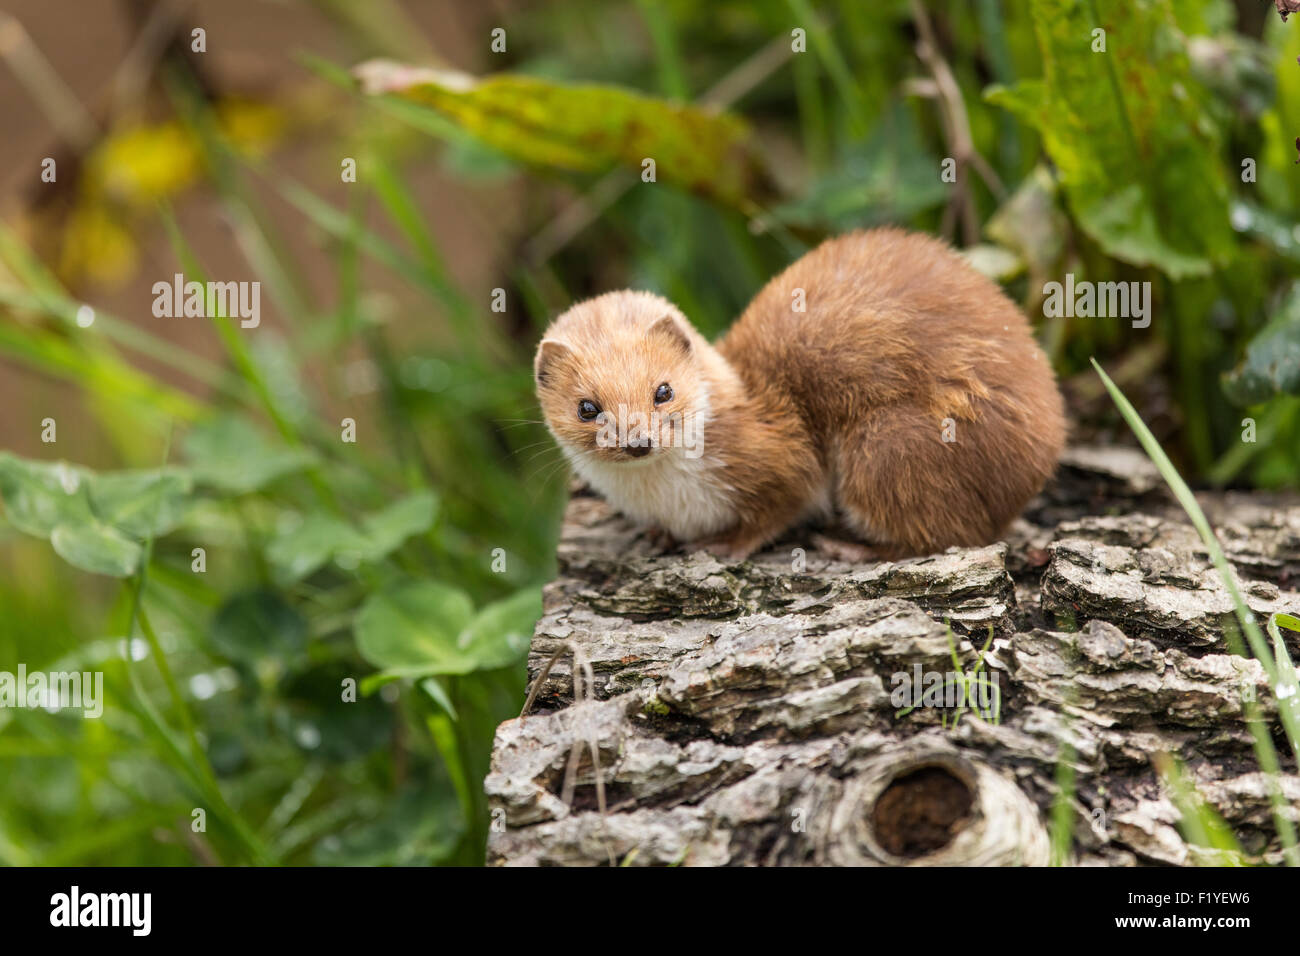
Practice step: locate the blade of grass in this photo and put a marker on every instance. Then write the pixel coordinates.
(1062, 830)
(828, 52)
(1264, 750)
(196, 764)
(1201, 823)
(261, 247)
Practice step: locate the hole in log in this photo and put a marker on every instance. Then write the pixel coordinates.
(921, 811)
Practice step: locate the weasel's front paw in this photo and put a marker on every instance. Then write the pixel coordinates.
(728, 547)
(660, 541)
(855, 552)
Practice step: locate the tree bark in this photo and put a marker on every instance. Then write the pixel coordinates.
(749, 713)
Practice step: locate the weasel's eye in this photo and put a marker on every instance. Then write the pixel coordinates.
(587, 410)
(664, 393)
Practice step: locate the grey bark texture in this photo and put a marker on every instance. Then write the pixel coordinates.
(744, 714)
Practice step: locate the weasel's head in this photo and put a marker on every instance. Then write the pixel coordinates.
(620, 381)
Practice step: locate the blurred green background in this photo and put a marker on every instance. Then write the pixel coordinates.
(409, 562)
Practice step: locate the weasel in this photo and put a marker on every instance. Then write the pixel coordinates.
(879, 376)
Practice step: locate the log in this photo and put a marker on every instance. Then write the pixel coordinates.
(759, 713)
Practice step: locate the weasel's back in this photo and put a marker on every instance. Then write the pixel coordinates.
(888, 315)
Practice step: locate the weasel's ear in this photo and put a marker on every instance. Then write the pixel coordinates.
(549, 354)
(669, 329)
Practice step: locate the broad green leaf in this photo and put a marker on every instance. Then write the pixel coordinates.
(39, 496)
(96, 547)
(94, 521)
(230, 454)
(501, 632)
(1137, 154)
(1272, 362)
(320, 537)
(311, 544)
(581, 128)
(258, 624)
(415, 625)
(426, 628)
(132, 501)
(387, 529)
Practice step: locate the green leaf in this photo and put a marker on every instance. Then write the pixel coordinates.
(96, 547)
(426, 628)
(1137, 154)
(1271, 365)
(1287, 691)
(320, 537)
(310, 545)
(387, 529)
(230, 454)
(415, 626)
(39, 496)
(42, 495)
(131, 501)
(501, 632)
(581, 128)
(92, 520)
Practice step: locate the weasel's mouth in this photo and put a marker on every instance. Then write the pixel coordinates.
(633, 456)
(624, 456)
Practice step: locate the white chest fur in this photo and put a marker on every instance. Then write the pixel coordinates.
(679, 494)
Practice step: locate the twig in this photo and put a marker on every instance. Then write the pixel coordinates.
(70, 119)
(541, 677)
(584, 686)
(956, 124)
(137, 66)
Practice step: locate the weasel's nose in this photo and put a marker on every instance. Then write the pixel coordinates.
(638, 451)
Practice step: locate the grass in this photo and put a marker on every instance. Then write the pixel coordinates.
(1279, 670)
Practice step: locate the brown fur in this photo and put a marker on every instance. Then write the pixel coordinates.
(849, 397)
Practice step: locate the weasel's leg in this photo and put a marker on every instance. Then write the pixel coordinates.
(776, 489)
(850, 552)
(734, 545)
(660, 540)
